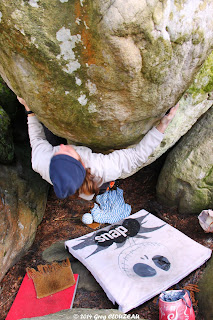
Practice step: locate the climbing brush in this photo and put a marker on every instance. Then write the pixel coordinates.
(52, 278)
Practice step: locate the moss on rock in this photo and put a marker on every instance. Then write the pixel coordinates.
(203, 82)
(155, 58)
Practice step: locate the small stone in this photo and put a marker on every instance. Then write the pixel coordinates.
(56, 252)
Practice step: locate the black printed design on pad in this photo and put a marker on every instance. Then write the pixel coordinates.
(161, 262)
(144, 260)
(118, 234)
(145, 270)
(133, 227)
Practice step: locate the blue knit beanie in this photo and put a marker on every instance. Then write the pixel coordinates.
(67, 175)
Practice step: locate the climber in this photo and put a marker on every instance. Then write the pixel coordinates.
(77, 170)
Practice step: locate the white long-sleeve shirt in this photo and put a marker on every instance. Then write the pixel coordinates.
(106, 168)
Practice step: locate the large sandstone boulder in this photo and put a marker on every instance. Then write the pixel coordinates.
(22, 192)
(205, 296)
(22, 204)
(101, 73)
(195, 101)
(186, 179)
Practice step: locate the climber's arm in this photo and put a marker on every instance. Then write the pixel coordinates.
(125, 162)
(42, 150)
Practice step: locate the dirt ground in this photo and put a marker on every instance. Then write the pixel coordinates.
(62, 221)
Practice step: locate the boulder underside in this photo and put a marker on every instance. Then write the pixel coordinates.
(102, 73)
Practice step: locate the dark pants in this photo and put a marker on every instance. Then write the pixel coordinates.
(52, 138)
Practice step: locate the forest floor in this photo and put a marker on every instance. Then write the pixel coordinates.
(62, 221)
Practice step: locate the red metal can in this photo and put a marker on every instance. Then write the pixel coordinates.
(175, 305)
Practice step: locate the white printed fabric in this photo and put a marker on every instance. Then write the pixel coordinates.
(137, 258)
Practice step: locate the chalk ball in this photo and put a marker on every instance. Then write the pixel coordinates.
(87, 218)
